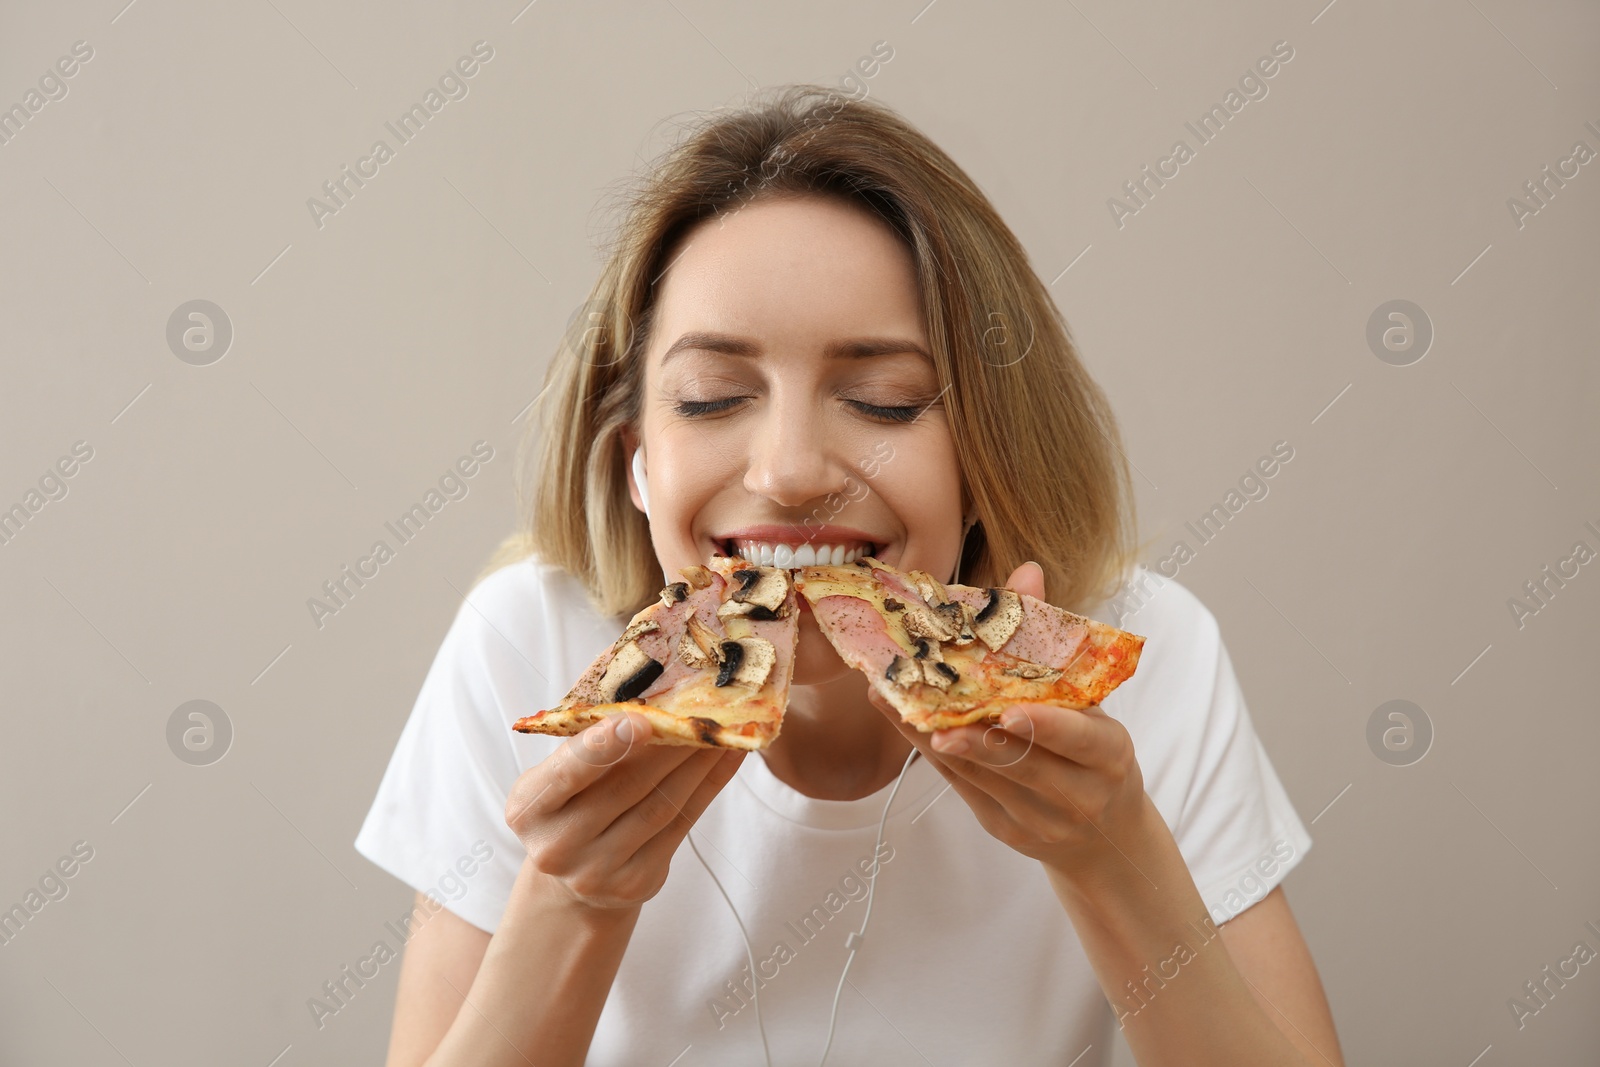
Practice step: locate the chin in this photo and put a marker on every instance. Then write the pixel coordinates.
(815, 660)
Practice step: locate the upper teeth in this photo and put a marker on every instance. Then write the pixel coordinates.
(777, 554)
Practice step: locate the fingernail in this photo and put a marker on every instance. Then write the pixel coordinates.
(625, 730)
(950, 743)
(1014, 721)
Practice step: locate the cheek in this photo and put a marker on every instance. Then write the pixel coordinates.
(922, 483)
(683, 476)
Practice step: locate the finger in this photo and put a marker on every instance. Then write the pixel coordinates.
(997, 763)
(1087, 737)
(580, 762)
(980, 800)
(704, 793)
(1001, 764)
(661, 800)
(971, 782)
(626, 785)
(1008, 765)
(653, 838)
(1028, 578)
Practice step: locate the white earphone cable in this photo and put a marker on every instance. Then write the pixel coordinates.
(755, 977)
(852, 941)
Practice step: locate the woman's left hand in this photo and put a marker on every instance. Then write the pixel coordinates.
(1057, 784)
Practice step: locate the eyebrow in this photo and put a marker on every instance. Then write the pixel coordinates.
(850, 348)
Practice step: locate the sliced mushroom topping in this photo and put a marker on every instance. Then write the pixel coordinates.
(928, 651)
(766, 587)
(904, 672)
(920, 622)
(730, 608)
(676, 593)
(629, 673)
(998, 619)
(637, 629)
(731, 656)
(697, 576)
(692, 654)
(931, 588)
(989, 606)
(1033, 671)
(939, 675)
(747, 662)
(958, 617)
(698, 646)
(907, 671)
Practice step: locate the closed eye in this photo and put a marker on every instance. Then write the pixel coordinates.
(692, 408)
(900, 413)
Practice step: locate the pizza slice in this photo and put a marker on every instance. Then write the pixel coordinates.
(947, 655)
(708, 664)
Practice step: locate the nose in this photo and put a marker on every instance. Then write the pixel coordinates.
(791, 461)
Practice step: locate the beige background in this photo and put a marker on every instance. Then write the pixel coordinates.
(369, 354)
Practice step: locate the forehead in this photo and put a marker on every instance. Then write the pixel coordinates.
(799, 272)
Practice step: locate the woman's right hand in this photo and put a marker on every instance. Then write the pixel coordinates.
(603, 814)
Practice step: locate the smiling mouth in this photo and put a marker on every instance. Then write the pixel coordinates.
(790, 554)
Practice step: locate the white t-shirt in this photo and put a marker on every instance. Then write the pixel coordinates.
(969, 957)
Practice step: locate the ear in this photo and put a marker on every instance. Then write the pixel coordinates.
(630, 441)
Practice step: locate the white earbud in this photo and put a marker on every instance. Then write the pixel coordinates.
(639, 480)
(967, 523)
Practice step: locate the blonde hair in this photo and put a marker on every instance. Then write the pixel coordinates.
(1034, 435)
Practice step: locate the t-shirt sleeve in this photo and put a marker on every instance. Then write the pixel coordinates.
(1204, 766)
(438, 820)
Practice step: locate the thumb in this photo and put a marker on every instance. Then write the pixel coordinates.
(1028, 578)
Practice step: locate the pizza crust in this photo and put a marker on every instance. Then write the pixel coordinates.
(667, 728)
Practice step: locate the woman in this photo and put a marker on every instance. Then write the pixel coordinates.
(813, 314)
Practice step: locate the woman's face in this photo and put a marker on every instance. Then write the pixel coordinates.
(790, 409)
